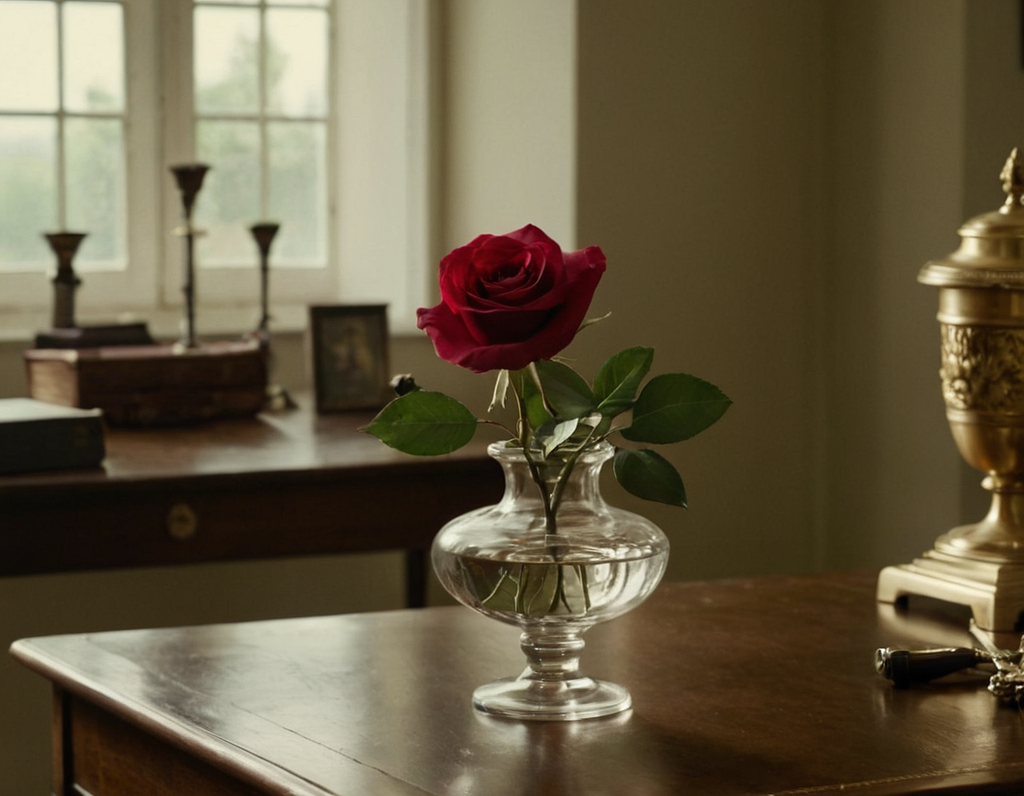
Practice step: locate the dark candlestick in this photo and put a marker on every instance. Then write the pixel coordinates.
(190, 180)
(65, 282)
(264, 233)
(277, 397)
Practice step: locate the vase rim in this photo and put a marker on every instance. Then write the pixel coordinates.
(508, 450)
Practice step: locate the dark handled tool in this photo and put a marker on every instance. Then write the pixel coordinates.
(905, 667)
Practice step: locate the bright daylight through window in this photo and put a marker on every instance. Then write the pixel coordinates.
(98, 98)
(261, 104)
(62, 122)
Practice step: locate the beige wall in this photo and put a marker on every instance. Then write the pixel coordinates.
(700, 175)
(766, 180)
(509, 141)
(897, 198)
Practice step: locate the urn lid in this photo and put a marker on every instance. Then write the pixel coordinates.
(991, 252)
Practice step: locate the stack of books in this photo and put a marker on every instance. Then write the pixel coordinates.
(35, 435)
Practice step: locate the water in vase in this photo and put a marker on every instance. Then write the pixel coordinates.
(557, 582)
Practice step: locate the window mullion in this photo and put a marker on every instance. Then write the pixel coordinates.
(61, 165)
(178, 133)
(262, 113)
(176, 80)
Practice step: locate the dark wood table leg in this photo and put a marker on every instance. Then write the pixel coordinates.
(61, 774)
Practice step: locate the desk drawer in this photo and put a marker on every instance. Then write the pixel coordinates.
(232, 519)
(109, 757)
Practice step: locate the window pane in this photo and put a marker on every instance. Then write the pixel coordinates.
(321, 3)
(297, 62)
(93, 57)
(28, 190)
(230, 200)
(226, 69)
(96, 189)
(28, 56)
(298, 191)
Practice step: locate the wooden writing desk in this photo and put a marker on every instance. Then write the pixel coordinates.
(739, 687)
(282, 484)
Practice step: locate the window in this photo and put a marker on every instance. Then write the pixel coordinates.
(261, 107)
(310, 113)
(62, 124)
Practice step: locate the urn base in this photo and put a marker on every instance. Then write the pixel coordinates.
(994, 590)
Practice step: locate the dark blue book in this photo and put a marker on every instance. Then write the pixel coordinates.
(35, 435)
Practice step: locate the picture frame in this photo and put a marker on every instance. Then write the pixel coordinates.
(350, 356)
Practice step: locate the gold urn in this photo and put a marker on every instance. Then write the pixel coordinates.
(981, 315)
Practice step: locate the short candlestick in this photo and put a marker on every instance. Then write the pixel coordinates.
(65, 282)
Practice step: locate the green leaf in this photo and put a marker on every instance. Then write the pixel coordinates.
(424, 424)
(673, 407)
(559, 433)
(565, 390)
(536, 413)
(539, 587)
(650, 476)
(619, 378)
(503, 596)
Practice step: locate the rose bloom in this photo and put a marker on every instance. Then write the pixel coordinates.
(509, 300)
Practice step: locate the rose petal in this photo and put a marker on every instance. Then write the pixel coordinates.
(510, 300)
(584, 269)
(449, 334)
(532, 234)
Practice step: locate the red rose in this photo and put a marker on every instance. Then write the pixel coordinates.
(509, 300)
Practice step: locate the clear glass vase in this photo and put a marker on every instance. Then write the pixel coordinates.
(504, 561)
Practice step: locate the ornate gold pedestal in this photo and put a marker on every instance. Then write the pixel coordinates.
(981, 313)
(994, 591)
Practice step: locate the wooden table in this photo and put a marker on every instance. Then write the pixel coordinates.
(281, 484)
(740, 687)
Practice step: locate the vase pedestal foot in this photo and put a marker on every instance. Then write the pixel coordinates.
(528, 697)
(994, 590)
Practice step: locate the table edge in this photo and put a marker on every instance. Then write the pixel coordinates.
(204, 745)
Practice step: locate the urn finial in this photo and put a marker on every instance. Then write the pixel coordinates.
(1013, 181)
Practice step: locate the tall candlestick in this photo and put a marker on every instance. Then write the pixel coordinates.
(277, 397)
(264, 233)
(190, 180)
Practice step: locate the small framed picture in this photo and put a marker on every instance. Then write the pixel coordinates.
(350, 356)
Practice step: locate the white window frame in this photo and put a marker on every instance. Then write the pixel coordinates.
(225, 287)
(381, 184)
(24, 297)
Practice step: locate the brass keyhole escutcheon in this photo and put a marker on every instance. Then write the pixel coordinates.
(182, 522)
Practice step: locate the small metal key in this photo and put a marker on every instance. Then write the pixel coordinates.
(1007, 684)
(905, 667)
